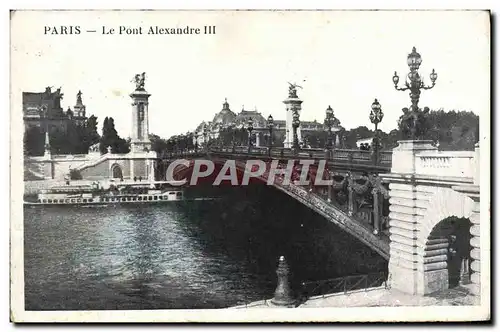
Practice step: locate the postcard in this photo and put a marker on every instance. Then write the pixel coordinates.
(250, 166)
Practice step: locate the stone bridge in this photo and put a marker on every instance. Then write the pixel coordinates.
(416, 206)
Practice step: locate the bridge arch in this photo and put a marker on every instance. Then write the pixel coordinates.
(444, 203)
(116, 171)
(447, 254)
(339, 217)
(444, 239)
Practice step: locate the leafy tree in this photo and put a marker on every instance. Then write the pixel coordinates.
(158, 144)
(90, 133)
(34, 141)
(315, 139)
(353, 135)
(453, 130)
(110, 138)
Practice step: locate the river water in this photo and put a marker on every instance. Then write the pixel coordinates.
(204, 254)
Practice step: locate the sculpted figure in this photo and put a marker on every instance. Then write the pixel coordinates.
(139, 81)
(79, 97)
(292, 90)
(58, 95)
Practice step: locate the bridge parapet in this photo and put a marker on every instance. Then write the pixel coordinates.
(446, 163)
(357, 202)
(427, 187)
(336, 155)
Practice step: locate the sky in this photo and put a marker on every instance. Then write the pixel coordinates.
(344, 59)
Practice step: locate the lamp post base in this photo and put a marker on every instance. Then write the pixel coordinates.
(283, 294)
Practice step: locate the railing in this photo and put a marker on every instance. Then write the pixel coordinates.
(69, 156)
(344, 285)
(447, 163)
(340, 155)
(334, 155)
(369, 225)
(356, 203)
(309, 290)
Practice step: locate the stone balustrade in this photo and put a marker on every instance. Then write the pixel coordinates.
(446, 163)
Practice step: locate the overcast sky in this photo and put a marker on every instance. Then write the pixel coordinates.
(347, 58)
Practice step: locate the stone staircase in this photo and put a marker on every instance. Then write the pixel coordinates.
(33, 172)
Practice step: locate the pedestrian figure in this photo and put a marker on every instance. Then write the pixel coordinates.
(135, 178)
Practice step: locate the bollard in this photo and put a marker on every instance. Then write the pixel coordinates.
(283, 294)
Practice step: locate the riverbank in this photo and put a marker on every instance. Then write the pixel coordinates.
(381, 297)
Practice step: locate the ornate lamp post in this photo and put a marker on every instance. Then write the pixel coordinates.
(295, 126)
(376, 116)
(329, 122)
(176, 142)
(250, 129)
(413, 119)
(196, 135)
(233, 139)
(44, 115)
(205, 134)
(270, 125)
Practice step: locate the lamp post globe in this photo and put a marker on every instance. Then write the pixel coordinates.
(414, 59)
(414, 84)
(329, 122)
(376, 116)
(270, 125)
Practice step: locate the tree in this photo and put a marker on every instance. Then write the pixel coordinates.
(90, 134)
(316, 139)
(453, 130)
(158, 144)
(105, 137)
(352, 136)
(111, 139)
(34, 141)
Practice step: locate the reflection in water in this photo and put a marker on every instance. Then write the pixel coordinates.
(189, 255)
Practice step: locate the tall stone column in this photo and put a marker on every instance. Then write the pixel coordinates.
(292, 103)
(140, 126)
(257, 139)
(406, 258)
(141, 157)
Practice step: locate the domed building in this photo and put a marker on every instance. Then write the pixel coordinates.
(208, 130)
(225, 116)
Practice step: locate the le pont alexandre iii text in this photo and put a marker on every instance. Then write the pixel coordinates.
(132, 30)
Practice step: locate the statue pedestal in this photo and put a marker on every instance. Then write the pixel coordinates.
(292, 103)
(139, 139)
(403, 156)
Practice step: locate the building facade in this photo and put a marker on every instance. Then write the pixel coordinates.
(44, 110)
(282, 129)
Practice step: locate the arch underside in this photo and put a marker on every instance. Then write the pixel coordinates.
(312, 201)
(444, 203)
(419, 253)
